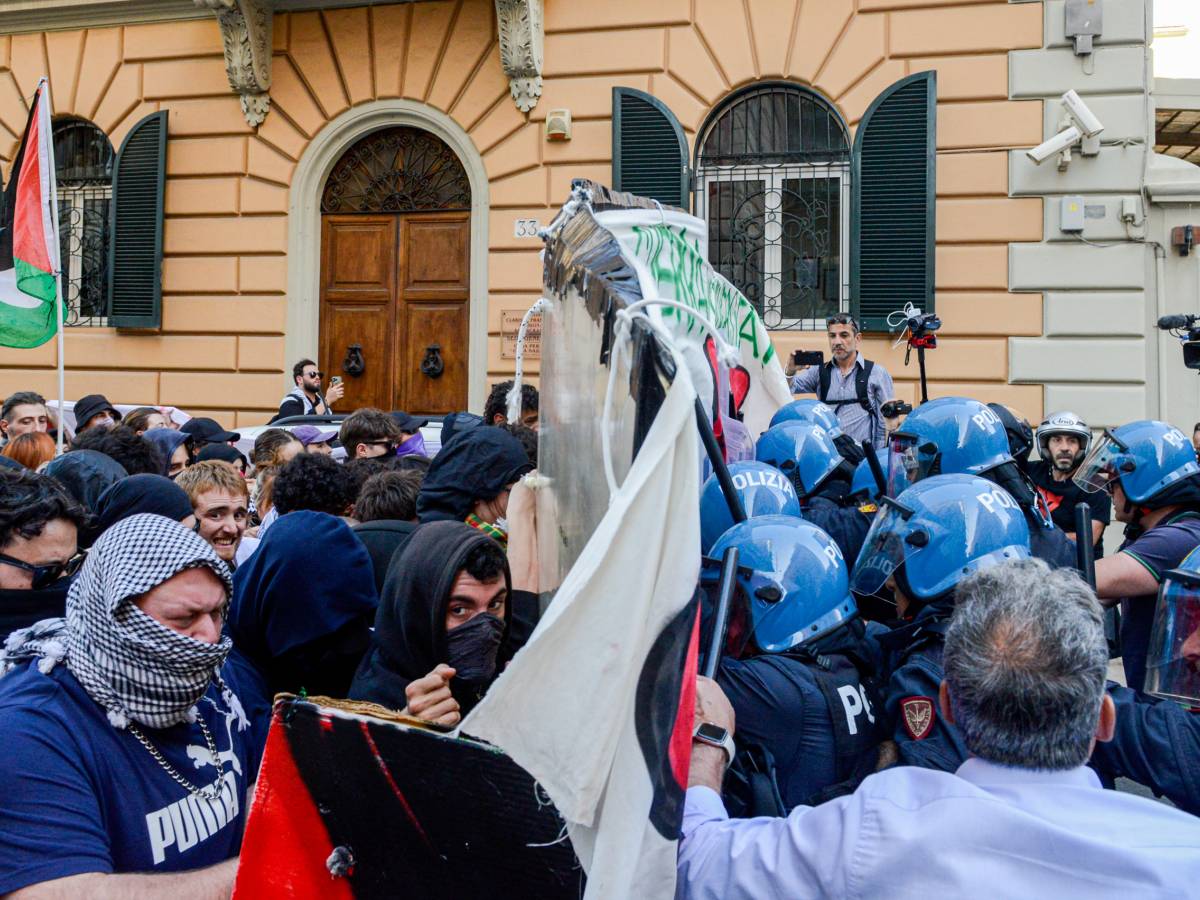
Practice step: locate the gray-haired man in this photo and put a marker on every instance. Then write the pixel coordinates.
(1025, 665)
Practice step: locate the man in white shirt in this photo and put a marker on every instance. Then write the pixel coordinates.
(1025, 664)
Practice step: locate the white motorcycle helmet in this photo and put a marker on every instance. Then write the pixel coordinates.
(1063, 423)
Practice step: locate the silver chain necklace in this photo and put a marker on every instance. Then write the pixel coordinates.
(209, 793)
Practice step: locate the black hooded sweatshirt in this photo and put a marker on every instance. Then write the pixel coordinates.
(476, 465)
(410, 627)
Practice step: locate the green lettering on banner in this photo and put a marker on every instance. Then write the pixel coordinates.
(684, 275)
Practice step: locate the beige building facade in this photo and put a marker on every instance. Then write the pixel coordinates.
(250, 247)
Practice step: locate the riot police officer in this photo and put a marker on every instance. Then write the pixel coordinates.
(921, 545)
(1153, 475)
(801, 676)
(806, 454)
(818, 413)
(1157, 737)
(762, 489)
(958, 435)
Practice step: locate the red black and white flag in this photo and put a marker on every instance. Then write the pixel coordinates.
(598, 705)
(29, 255)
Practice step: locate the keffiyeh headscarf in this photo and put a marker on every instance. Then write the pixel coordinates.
(136, 668)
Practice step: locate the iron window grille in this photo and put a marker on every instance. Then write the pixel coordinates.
(83, 166)
(773, 184)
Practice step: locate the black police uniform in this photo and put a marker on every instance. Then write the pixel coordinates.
(817, 714)
(1061, 498)
(847, 525)
(913, 655)
(1156, 743)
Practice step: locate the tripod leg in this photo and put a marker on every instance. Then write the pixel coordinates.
(921, 365)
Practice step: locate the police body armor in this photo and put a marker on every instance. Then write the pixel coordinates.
(854, 703)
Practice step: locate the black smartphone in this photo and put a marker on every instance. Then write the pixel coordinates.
(809, 357)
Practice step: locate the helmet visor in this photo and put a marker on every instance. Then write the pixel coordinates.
(739, 627)
(884, 550)
(1173, 661)
(1099, 467)
(905, 464)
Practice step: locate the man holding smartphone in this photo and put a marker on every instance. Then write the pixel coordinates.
(305, 398)
(855, 387)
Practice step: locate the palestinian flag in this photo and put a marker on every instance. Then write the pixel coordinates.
(29, 259)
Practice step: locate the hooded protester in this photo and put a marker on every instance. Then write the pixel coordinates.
(441, 632)
(175, 447)
(226, 454)
(132, 755)
(86, 474)
(470, 479)
(300, 620)
(143, 493)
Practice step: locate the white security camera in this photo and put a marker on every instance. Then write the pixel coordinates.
(1079, 125)
(1064, 140)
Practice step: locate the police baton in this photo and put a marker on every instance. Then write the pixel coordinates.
(1085, 554)
(876, 469)
(717, 460)
(725, 588)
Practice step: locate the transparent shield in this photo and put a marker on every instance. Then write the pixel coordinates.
(883, 552)
(903, 464)
(1174, 654)
(1098, 468)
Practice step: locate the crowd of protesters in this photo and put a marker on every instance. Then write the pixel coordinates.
(900, 648)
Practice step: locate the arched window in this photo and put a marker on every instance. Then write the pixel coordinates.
(83, 166)
(773, 183)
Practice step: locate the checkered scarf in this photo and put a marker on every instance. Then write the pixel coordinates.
(136, 668)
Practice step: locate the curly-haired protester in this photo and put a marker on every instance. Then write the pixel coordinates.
(127, 760)
(314, 482)
(134, 453)
(32, 449)
(39, 528)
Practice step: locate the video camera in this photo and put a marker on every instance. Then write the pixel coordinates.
(1187, 329)
(920, 328)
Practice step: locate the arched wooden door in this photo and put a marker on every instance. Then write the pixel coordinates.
(395, 279)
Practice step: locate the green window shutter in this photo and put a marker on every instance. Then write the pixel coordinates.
(649, 151)
(893, 183)
(136, 227)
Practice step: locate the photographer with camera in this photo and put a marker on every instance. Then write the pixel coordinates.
(855, 387)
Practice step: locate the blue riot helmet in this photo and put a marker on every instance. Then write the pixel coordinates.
(793, 581)
(763, 490)
(804, 452)
(939, 530)
(1147, 457)
(950, 435)
(863, 482)
(813, 411)
(1173, 660)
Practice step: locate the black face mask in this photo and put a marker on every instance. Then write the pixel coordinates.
(471, 648)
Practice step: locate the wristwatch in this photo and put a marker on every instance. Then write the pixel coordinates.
(716, 736)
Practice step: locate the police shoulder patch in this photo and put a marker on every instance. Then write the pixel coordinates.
(917, 715)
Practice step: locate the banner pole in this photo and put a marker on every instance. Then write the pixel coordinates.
(52, 176)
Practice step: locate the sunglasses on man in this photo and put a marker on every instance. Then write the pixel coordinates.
(314, 374)
(44, 576)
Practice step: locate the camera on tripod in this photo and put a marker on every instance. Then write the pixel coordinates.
(920, 329)
(922, 326)
(1187, 329)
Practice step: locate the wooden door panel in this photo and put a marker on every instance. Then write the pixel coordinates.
(358, 304)
(426, 324)
(436, 256)
(359, 258)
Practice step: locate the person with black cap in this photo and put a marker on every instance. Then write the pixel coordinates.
(470, 481)
(144, 493)
(94, 411)
(208, 431)
(412, 443)
(225, 453)
(442, 626)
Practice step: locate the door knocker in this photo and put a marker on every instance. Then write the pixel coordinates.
(432, 365)
(354, 364)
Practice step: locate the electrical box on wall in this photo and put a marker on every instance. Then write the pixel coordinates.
(1084, 20)
(1071, 214)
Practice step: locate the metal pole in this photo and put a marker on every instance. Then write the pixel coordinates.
(729, 564)
(717, 460)
(56, 263)
(921, 366)
(876, 469)
(1084, 551)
